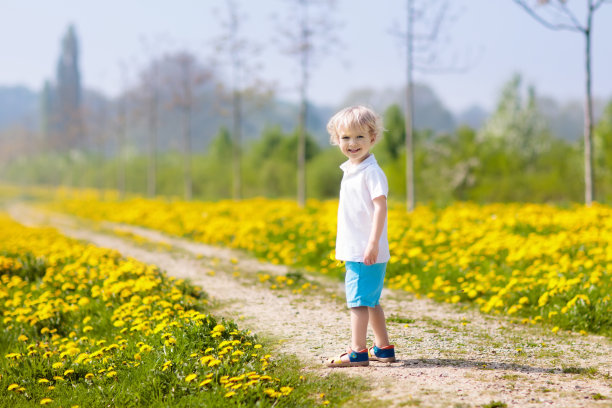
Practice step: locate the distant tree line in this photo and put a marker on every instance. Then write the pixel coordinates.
(512, 157)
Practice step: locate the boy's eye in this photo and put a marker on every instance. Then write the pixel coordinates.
(359, 137)
(345, 137)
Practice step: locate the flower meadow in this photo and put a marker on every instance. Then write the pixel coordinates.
(535, 263)
(84, 326)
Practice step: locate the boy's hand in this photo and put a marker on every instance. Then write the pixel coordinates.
(371, 253)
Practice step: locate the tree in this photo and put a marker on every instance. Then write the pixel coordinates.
(395, 136)
(517, 125)
(150, 95)
(562, 18)
(603, 153)
(312, 25)
(121, 126)
(46, 114)
(241, 52)
(422, 39)
(70, 124)
(183, 76)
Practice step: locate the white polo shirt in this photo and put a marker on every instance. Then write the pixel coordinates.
(360, 185)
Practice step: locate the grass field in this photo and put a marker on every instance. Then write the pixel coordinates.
(84, 326)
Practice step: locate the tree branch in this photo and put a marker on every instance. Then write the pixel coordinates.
(543, 21)
(572, 17)
(600, 2)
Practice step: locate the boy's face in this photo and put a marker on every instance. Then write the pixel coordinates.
(355, 144)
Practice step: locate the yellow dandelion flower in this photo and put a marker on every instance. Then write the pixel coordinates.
(207, 381)
(45, 401)
(214, 362)
(190, 377)
(145, 348)
(230, 394)
(13, 386)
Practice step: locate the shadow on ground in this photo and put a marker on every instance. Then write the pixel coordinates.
(482, 365)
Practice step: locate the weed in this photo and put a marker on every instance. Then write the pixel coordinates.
(495, 404)
(399, 319)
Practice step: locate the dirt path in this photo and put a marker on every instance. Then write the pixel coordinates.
(448, 357)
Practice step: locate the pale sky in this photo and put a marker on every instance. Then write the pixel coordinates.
(112, 31)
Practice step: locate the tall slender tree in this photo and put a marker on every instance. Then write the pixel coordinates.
(426, 25)
(150, 99)
(184, 75)
(241, 53)
(122, 130)
(309, 33)
(556, 15)
(70, 124)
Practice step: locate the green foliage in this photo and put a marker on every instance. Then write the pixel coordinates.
(395, 134)
(512, 158)
(517, 125)
(602, 147)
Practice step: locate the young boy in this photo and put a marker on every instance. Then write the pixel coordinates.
(361, 240)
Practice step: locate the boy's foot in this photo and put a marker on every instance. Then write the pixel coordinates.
(384, 354)
(350, 359)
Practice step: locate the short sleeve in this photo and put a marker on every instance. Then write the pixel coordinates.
(376, 182)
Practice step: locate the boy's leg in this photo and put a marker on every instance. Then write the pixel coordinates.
(359, 326)
(377, 321)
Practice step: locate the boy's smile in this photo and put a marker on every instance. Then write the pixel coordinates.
(355, 144)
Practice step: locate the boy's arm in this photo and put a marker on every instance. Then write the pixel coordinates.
(378, 223)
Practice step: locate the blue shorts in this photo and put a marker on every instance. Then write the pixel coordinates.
(364, 283)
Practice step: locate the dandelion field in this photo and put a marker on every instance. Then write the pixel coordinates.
(84, 326)
(538, 264)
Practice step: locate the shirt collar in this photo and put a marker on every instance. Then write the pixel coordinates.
(349, 168)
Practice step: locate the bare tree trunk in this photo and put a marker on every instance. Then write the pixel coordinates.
(187, 178)
(121, 147)
(409, 142)
(153, 129)
(237, 143)
(187, 106)
(588, 117)
(301, 150)
(99, 143)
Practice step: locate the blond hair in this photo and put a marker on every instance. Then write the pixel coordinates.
(355, 117)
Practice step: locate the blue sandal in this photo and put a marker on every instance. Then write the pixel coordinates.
(356, 359)
(384, 355)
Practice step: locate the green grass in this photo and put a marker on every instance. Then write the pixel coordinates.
(495, 404)
(150, 346)
(399, 319)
